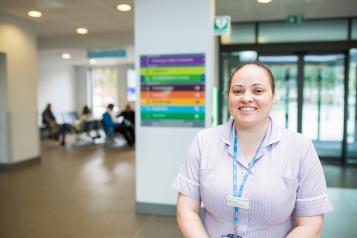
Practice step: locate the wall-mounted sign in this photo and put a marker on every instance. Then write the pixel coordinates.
(173, 90)
(113, 53)
(222, 25)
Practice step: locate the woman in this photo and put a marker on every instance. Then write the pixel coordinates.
(254, 178)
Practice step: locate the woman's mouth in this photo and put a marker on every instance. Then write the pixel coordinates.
(247, 109)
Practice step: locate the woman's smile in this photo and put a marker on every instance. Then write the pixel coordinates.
(247, 108)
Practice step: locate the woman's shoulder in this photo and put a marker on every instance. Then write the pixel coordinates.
(216, 130)
(215, 135)
(294, 138)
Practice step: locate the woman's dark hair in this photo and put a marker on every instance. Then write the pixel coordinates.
(86, 110)
(267, 70)
(110, 106)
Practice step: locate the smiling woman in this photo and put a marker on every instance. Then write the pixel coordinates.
(251, 96)
(255, 178)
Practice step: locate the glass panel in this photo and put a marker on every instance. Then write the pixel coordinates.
(240, 34)
(323, 102)
(354, 29)
(352, 113)
(327, 30)
(105, 89)
(284, 69)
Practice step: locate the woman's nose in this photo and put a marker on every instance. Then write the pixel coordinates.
(246, 97)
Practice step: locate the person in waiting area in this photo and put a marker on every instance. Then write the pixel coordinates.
(57, 131)
(254, 178)
(87, 123)
(128, 113)
(111, 126)
(128, 121)
(49, 120)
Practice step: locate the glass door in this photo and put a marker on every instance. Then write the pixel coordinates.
(284, 69)
(323, 103)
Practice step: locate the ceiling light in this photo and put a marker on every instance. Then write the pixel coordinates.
(264, 1)
(66, 56)
(82, 31)
(92, 61)
(34, 14)
(124, 7)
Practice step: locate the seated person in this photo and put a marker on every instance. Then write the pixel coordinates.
(56, 130)
(86, 123)
(49, 120)
(111, 126)
(128, 115)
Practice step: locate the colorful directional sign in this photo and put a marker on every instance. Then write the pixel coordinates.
(173, 90)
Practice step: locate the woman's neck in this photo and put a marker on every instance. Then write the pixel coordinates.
(250, 138)
(252, 134)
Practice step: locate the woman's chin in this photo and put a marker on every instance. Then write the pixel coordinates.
(244, 123)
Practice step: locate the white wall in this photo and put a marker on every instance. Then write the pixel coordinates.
(81, 87)
(56, 84)
(65, 85)
(18, 42)
(169, 27)
(4, 120)
(123, 86)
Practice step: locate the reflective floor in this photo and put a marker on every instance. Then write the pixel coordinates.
(89, 191)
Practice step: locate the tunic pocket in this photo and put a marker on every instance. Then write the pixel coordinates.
(290, 185)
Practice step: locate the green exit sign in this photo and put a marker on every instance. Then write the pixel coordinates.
(295, 19)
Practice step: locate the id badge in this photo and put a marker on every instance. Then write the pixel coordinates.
(231, 236)
(238, 202)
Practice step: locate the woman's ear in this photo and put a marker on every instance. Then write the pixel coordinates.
(273, 98)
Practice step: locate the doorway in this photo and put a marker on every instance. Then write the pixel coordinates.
(310, 90)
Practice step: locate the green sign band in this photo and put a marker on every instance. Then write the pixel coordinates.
(172, 78)
(172, 71)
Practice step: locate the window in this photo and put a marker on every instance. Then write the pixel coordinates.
(104, 89)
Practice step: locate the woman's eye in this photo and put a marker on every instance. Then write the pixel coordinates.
(258, 91)
(237, 91)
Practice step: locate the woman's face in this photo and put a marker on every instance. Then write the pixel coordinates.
(250, 96)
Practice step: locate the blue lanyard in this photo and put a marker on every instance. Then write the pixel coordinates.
(235, 171)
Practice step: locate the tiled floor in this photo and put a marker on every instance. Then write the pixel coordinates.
(89, 192)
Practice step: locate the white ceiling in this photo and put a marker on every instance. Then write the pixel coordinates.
(109, 28)
(62, 17)
(250, 10)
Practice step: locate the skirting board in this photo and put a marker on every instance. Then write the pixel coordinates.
(21, 164)
(156, 209)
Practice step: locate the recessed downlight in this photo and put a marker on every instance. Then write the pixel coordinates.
(82, 31)
(36, 14)
(264, 1)
(66, 56)
(124, 7)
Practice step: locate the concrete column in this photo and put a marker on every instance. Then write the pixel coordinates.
(169, 27)
(19, 142)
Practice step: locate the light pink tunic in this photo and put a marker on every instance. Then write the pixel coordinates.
(287, 180)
